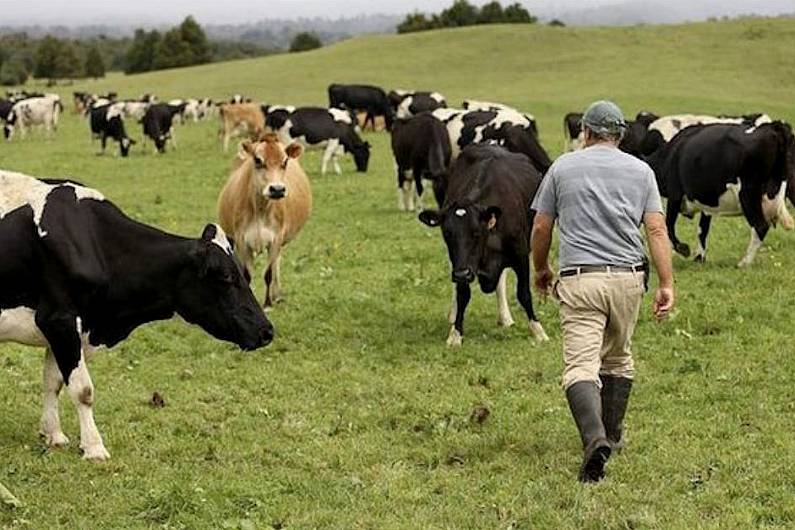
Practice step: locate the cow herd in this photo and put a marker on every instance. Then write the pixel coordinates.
(81, 274)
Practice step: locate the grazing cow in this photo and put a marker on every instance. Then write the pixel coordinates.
(157, 124)
(192, 109)
(33, 111)
(264, 205)
(106, 121)
(370, 99)
(78, 274)
(239, 119)
(727, 169)
(420, 144)
(468, 127)
(486, 222)
(318, 127)
(407, 104)
(133, 109)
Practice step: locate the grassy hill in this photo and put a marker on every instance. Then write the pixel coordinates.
(358, 416)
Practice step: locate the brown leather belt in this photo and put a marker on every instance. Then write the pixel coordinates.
(585, 269)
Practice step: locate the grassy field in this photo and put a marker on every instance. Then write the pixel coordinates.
(358, 416)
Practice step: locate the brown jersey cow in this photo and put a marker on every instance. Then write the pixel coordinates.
(264, 205)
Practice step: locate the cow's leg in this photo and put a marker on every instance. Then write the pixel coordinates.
(417, 174)
(272, 275)
(401, 180)
(759, 226)
(451, 315)
(328, 153)
(702, 233)
(335, 158)
(63, 334)
(522, 269)
(173, 138)
(504, 317)
(103, 144)
(226, 135)
(408, 195)
(371, 119)
(50, 419)
(463, 294)
(671, 213)
(276, 280)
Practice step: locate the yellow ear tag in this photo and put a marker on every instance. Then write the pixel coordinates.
(492, 222)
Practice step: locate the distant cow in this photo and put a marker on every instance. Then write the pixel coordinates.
(572, 131)
(370, 99)
(264, 205)
(486, 222)
(331, 128)
(237, 99)
(407, 104)
(420, 145)
(726, 169)
(240, 119)
(158, 124)
(33, 111)
(468, 127)
(379, 124)
(107, 122)
(78, 274)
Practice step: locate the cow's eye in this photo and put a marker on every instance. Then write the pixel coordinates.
(259, 162)
(284, 164)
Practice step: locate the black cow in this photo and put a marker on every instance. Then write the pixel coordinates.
(486, 222)
(420, 144)
(407, 104)
(505, 127)
(727, 169)
(366, 98)
(106, 121)
(318, 127)
(635, 140)
(78, 274)
(158, 122)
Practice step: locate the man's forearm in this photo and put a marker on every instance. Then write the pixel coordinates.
(660, 249)
(541, 241)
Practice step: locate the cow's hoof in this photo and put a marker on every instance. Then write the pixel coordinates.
(96, 453)
(537, 330)
(682, 249)
(454, 340)
(451, 316)
(744, 263)
(700, 258)
(506, 321)
(55, 439)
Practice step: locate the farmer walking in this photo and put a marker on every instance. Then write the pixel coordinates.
(599, 197)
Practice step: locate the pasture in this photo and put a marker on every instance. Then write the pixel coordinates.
(358, 415)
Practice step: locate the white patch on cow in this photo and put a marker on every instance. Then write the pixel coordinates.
(52, 382)
(403, 110)
(460, 212)
(504, 317)
(701, 252)
(408, 198)
(454, 339)
(221, 240)
(18, 325)
(81, 391)
(437, 97)
(669, 126)
(115, 110)
(775, 210)
(340, 115)
(753, 248)
(537, 331)
(453, 313)
(728, 203)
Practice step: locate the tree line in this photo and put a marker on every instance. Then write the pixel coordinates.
(462, 13)
(50, 58)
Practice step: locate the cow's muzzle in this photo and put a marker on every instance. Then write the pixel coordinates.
(463, 276)
(276, 191)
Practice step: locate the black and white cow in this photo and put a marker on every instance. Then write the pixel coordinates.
(727, 169)
(636, 132)
(27, 113)
(490, 106)
(486, 222)
(420, 145)
(318, 127)
(407, 104)
(106, 121)
(499, 126)
(78, 274)
(366, 98)
(158, 124)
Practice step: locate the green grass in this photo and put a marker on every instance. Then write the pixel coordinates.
(358, 416)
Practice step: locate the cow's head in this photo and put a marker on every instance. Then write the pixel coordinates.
(213, 293)
(361, 156)
(469, 231)
(125, 144)
(8, 128)
(270, 159)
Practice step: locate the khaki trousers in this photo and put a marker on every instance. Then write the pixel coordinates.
(598, 314)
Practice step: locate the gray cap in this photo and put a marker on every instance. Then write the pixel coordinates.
(604, 117)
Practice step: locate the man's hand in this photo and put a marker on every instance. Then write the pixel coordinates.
(543, 281)
(663, 303)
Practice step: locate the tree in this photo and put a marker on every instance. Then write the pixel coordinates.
(414, 22)
(13, 72)
(47, 58)
(172, 51)
(491, 13)
(516, 14)
(95, 66)
(305, 41)
(193, 35)
(141, 55)
(461, 13)
(556, 23)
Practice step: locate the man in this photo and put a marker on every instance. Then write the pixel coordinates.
(599, 197)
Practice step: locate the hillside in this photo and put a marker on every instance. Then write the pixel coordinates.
(716, 67)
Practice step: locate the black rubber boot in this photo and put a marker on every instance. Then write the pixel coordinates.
(615, 396)
(585, 403)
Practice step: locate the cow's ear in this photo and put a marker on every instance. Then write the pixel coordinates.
(432, 218)
(294, 150)
(247, 146)
(209, 233)
(490, 216)
(132, 142)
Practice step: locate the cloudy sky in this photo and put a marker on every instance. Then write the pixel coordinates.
(73, 12)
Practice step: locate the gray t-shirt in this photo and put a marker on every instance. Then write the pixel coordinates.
(598, 195)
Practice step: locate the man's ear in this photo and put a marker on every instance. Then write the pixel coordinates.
(294, 150)
(432, 218)
(490, 216)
